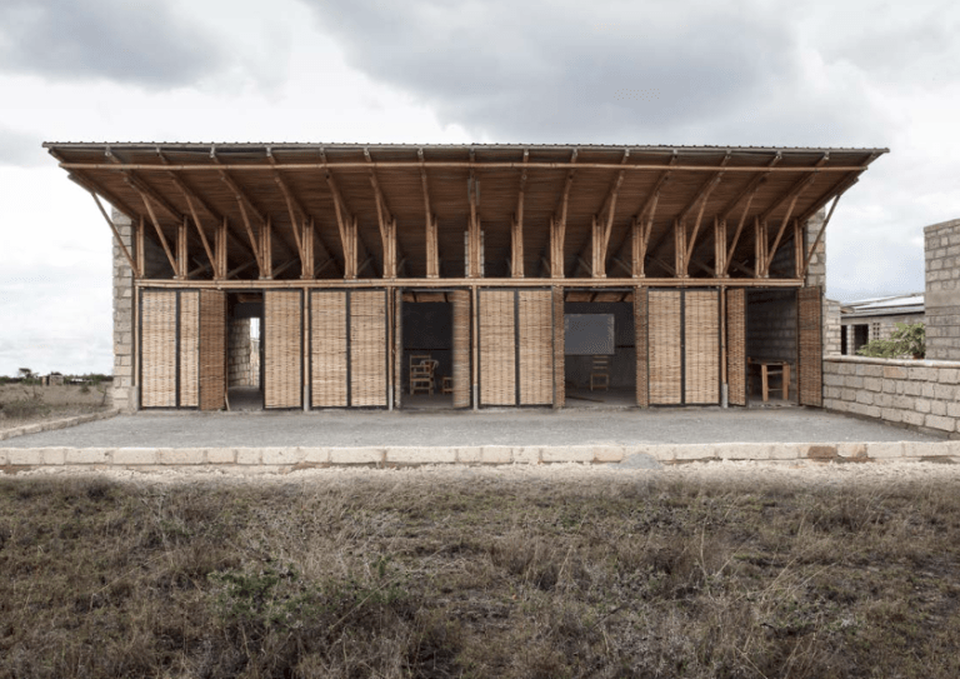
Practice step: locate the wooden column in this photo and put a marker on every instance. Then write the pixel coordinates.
(182, 250)
(720, 247)
(433, 247)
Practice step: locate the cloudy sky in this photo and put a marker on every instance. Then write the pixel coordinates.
(740, 72)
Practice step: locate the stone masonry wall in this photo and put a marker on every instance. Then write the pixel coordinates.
(831, 328)
(244, 359)
(124, 393)
(922, 394)
(942, 297)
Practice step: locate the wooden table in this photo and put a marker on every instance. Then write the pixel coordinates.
(770, 367)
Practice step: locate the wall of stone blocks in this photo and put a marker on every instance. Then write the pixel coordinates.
(772, 328)
(831, 328)
(924, 394)
(942, 295)
(243, 364)
(817, 270)
(123, 392)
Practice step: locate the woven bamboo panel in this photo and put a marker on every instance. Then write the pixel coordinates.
(497, 348)
(283, 355)
(158, 349)
(461, 348)
(398, 348)
(664, 347)
(641, 339)
(213, 343)
(536, 347)
(810, 355)
(368, 348)
(702, 346)
(559, 346)
(737, 347)
(328, 349)
(189, 348)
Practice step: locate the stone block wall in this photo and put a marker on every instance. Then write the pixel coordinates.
(817, 270)
(942, 295)
(123, 392)
(243, 367)
(924, 394)
(831, 328)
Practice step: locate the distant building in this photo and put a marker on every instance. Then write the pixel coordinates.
(876, 318)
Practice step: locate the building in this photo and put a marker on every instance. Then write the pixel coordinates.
(868, 319)
(503, 268)
(942, 252)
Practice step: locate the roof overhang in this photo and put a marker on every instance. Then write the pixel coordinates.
(370, 187)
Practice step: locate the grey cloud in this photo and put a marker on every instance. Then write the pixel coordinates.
(133, 43)
(21, 149)
(548, 72)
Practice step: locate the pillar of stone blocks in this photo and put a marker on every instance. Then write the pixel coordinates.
(817, 271)
(831, 327)
(124, 392)
(942, 294)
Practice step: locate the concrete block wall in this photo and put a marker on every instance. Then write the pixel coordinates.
(243, 367)
(831, 327)
(923, 394)
(817, 270)
(942, 295)
(123, 392)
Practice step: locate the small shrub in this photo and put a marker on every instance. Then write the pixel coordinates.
(906, 341)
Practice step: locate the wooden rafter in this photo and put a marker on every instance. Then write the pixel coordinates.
(603, 224)
(558, 224)
(706, 191)
(430, 224)
(355, 252)
(516, 227)
(386, 222)
(740, 224)
(823, 228)
(137, 271)
(474, 237)
(156, 225)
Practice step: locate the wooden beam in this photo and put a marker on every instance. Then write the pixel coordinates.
(704, 197)
(266, 249)
(474, 237)
(720, 246)
(137, 271)
(558, 225)
(823, 228)
(516, 227)
(141, 235)
(182, 248)
(740, 224)
(386, 222)
(114, 199)
(203, 237)
(254, 239)
(783, 227)
(156, 225)
(680, 248)
(760, 247)
(430, 223)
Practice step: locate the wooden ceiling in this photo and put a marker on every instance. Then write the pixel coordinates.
(510, 192)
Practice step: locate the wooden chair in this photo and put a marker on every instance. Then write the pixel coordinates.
(422, 375)
(600, 373)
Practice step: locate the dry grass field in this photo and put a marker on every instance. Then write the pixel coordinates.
(22, 404)
(468, 573)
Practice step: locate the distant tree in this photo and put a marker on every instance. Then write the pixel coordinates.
(25, 374)
(907, 341)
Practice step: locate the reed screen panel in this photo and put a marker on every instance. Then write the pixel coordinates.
(189, 346)
(737, 347)
(535, 320)
(665, 347)
(283, 349)
(213, 349)
(328, 347)
(368, 348)
(701, 347)
(498, 378)
(158, 349)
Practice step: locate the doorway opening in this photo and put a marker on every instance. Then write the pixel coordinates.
(429, 361)
(244, 354)
(600, 353)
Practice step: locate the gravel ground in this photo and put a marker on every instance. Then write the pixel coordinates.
(524, 427)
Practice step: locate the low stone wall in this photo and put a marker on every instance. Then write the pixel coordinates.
(254, 460)
(923, 394)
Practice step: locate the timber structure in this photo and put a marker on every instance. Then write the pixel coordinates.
(334, 246)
